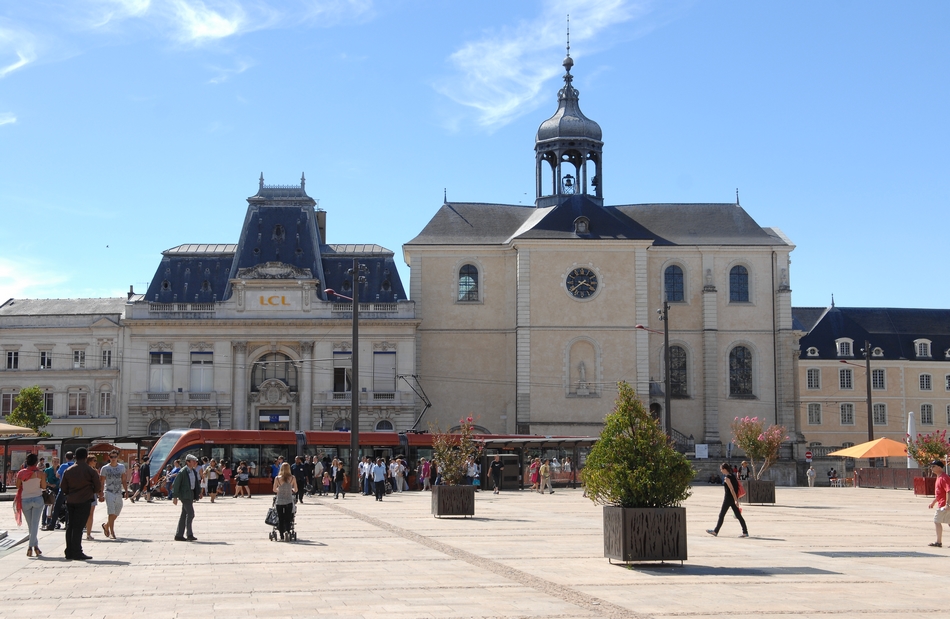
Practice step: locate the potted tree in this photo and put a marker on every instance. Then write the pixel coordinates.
(641, 480)
(925, 448)
(451, 453)
(761, 445)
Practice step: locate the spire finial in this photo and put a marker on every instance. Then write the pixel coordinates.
(832, 299)
(568, 35)
(737, 196)
(568, 61)
(445, 196)
(261, 185)
(303, 182)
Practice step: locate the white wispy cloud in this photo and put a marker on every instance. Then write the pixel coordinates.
(6, 118)
(17, 49)
(501, 75)
(198, 22)
(26, 278)
(107, 12)
(224, 74)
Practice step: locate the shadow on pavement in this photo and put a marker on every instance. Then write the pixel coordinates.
(708, 570)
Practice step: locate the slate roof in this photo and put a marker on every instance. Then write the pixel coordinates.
(664, 224)
(893, 330)
(201, 249)
(63, 307)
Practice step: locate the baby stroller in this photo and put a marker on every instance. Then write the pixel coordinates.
(273, 520)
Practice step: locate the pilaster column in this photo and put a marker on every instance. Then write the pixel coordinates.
(642, 317)
(305, 401)
(711, 355)
(239, 393)
(523, 343)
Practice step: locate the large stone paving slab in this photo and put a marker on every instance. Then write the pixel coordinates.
(817, 553)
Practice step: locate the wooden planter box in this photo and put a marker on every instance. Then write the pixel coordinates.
(925, 486)
(645, 534)
(453, 501)
(758, 491)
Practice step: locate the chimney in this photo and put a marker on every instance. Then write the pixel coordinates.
(322, 226)
(131, 293)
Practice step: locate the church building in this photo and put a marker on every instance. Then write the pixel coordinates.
(530, 315)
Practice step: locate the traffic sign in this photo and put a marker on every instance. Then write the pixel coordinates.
(808, 455)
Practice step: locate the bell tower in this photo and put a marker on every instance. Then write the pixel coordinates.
(568, 149)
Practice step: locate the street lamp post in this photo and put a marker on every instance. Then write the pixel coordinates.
(867, 371)
(664, 315)
(358, 279)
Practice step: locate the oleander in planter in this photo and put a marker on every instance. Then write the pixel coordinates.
(451, 454)
(453, 501)
(639, 477)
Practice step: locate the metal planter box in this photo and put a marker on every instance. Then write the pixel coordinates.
(758, 491)
(453, 501)
(634, 534)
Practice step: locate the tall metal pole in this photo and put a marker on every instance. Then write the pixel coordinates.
(355, 385)
(669, 365)
(867, 370)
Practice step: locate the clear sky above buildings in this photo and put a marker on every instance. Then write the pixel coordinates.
(131, 126)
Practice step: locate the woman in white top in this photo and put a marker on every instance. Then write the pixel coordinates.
(211, 475)
(30, 483)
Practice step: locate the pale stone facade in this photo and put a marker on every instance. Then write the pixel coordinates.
(515, 329)
(910, 372)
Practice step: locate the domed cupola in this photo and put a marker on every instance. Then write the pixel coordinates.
(568, 140)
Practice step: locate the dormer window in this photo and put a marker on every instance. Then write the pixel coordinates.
(581, 226)
(923, 348)
(877, 352)
(844, 346)
(812, 351)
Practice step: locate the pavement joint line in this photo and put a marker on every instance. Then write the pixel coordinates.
(570, 595)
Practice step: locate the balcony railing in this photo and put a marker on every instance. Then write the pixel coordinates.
(181, 310)
(368, 308)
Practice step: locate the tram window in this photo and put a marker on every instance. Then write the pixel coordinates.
(269, 453)
(217, 454)
(247, 453)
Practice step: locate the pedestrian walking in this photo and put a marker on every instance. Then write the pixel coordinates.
(285, 486)
(242, 488)
(186, 489)
(811, 473)
(379, 479)
(942, 515)
(115, 484)
(495, 471)
(545, 472)
(212, 477)
(729, 501)
(60, 505)
(80, 484)
(299, 471)
(28, 502)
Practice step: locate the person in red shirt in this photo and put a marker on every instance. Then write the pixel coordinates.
(942, 515)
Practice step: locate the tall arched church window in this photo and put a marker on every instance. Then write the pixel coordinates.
(739, 284)
(673, 284)
(678, 384)
(740, 371)
(274, 365)
(158, 427)
(468, 283)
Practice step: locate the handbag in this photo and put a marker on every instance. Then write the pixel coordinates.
(271, 517)
(741, 492)
(48, 497)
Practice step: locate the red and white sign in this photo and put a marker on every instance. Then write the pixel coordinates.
(808, 456)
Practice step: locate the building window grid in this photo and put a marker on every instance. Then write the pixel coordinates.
(947, 381)
(814, 378)
(678, 372)
(13, 360)
(948, 414)
(878, 379)
(927, 414)
(78, 404)
(79, 359)
(926, 382)
(847, 414)
(844, 349)
(739, 284)
(160, 372)
(46, 360)
(7, 403)
(740, 371)
(814, 414)
(880, 414)
(202, 372)
(106, 359)
(105, 404)
(845, 378)
(923, 349)
(468, 284)
(48, 403)
(673, 284)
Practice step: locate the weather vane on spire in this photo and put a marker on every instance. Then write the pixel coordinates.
(568, 35)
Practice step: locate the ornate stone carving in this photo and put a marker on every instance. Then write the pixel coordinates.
(306, 348)
(240, 347)
(342, 346)
(709, 286)
(274, 270)
(202, 346)
(383, 346)
(272, 392)
(161, 346)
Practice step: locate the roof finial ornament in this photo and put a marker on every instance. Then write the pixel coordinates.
(569, 35)
(261, 185)
(832, 299)
(568, 61)
(303, 182)
(445, 195)
(737, 196)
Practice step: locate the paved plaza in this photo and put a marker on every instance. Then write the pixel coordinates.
(816, 553)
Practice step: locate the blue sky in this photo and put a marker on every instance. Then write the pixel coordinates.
(130, 126)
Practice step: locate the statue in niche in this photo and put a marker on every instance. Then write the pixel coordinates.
(582, 387)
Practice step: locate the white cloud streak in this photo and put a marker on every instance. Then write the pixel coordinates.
(224, 75)
(500, 76)
(17, 49)
(21, 278)
(6, 118)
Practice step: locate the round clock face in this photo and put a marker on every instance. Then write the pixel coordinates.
(581, 282)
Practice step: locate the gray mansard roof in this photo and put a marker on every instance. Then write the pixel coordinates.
(663, 224)
(63, 307)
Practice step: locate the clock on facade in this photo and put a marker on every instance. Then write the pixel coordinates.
(581, 282)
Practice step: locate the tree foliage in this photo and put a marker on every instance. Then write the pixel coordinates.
(29, 411)
(452, 451)
(760, 444)
(633, 463)
(926, 448)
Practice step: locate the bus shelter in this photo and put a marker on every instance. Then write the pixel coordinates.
(516, 453)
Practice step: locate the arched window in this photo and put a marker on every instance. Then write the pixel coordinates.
(468, 283)
(341, 424)
(673, 284)
(274, 365)
(740, 371)
(739, 284)
(678, 386)
(384, 425)
(201, 424)
(158, 427)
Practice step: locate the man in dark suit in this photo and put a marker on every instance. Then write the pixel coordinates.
(80, 485)
(186, 488)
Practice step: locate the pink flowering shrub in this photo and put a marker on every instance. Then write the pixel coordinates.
(760, 444)
(452, 451)
(926, 448)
